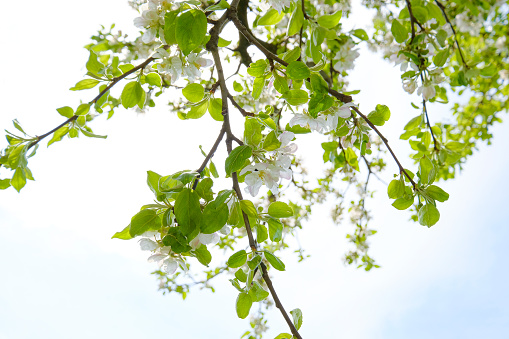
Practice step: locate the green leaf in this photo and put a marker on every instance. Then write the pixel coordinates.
(237, 86)
(427, 171)
(399, 31)
(280, 83)
(275, 229)
(199, 110)
(215, 216)
(257, 292)
(396, 189)
(204, 189)
(296, 97)
(440, 59)
(274, 261)
(241, 275)
(190, 30)
(437, 193)
(170, 22)
(253, 263)
(252, 131)
(249, 208)
(403, 203)
(295, 22)
(85, 84)
(257, 69)
(297, 317)
(220, 6)
(258, 85)
(92, 135)
(360, 33)
(297, 70)
(59, 134)
(329, 20)
(83, 109)
(19, 179)
(124, 234)
(237, 259)
(413, 123)
(203, 255)
(187, 210)
(271, 142)
(215, 109)
(131, 94)
(194, 92)
(261, 233)
(5, 183)
(177, 240)
(319, 102)
(243, 305)
(222, 42)
(272, 17)
(237, 158)
(153, 79)
(93, 65)
(279, 209)
(292, 54)
(153, 182)
(66, 111)
(428, 215)
(380, 115)
(143, 221)
(284, 336)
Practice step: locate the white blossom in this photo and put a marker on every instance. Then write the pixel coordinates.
(303, 120)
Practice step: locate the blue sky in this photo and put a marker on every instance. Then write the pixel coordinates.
(63, 277)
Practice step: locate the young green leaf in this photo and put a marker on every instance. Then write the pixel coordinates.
(249, 208)
(203, 255)
(295, 22)
(297, 317)
(396, 189)
(274, 261)
(85, 84)
(428, 215)
(296, 97)
(190, 30)
(237, 259)
(399, 31)
(124, 234)
(193, 92)
(297, 70)
(437, 193)
(272, 17)
(131, 94)
(244, 303)
(279, 209)
(176, 240)
(237, 158)
(187, 210)
(257, 292)
(329, 20)
(143, 221)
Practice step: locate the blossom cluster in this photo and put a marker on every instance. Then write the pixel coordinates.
(322, 123)
(177, 65)
(275, 168)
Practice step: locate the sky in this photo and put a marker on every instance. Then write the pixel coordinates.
(61, 276)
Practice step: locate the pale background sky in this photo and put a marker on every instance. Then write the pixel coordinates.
(61, 276)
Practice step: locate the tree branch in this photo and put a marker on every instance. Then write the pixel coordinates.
(213, 48)
(113, 82)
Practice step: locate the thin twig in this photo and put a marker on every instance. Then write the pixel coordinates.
(241, 110)
(113, 82)
(386, 142)
(442, 8)
(210, 154)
